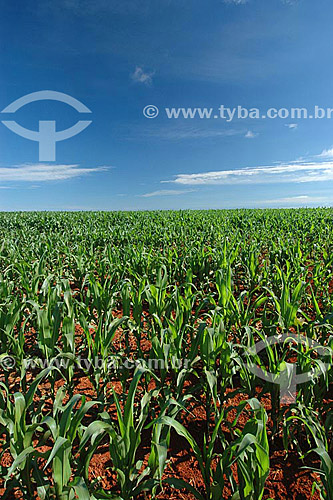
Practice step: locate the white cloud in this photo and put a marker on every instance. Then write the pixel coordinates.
(166, 192)
(250, 135)
(141, 76)
(299, 200)
(327, 153)
(183, 133)
(43, 172)
(292, 126)
(237, 2)
(283, 173)
(293, 202)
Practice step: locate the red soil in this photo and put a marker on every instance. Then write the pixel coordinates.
(286, 481)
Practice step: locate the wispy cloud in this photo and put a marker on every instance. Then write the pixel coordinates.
(183, 133)
(298, 200)
(237, 2)
(250, 135)
(166, 192)
(43, 172)
(327, 153)
(283, 173)
(141, 76)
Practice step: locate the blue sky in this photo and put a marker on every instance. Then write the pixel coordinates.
(118, 56)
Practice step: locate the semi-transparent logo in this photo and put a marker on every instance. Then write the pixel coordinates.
(47, 135)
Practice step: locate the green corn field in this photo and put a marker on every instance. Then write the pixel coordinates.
(128, 367)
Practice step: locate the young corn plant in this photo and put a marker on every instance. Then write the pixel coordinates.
(213, 477)
(64, 427)
(124, 438)
(20, 419)
(251, 453)
(99, 345)
(325, 473)
(288, 304)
